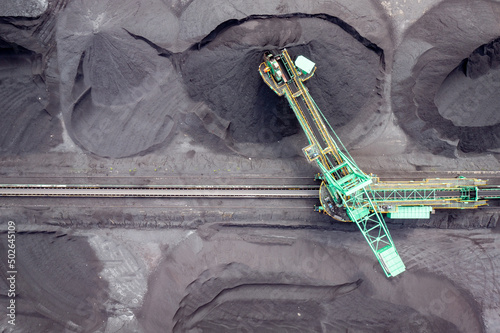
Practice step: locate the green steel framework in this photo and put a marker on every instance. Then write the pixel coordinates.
(364, 197)
(345, 182)
(458, 193)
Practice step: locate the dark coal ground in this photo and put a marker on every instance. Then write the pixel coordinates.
(154, 91)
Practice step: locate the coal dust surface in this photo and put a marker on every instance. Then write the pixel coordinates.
(446, 79)
(469, 98)
(221, 72)
(119, 97)
(27, 125)
(58, 283)
(268, 285)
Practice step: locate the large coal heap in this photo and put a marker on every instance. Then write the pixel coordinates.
(222, 72)
(445, 79)
(469, 98)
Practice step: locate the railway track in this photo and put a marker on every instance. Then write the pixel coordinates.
(208, 191)
(83, 205)
(165, 191)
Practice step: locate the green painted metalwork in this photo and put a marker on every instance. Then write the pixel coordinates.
(390, 256)
(448, 193)
(411, 212)
(345, 182)
(409, 194)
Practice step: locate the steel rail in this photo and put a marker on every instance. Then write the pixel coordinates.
(120, 191)
(208, 191)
